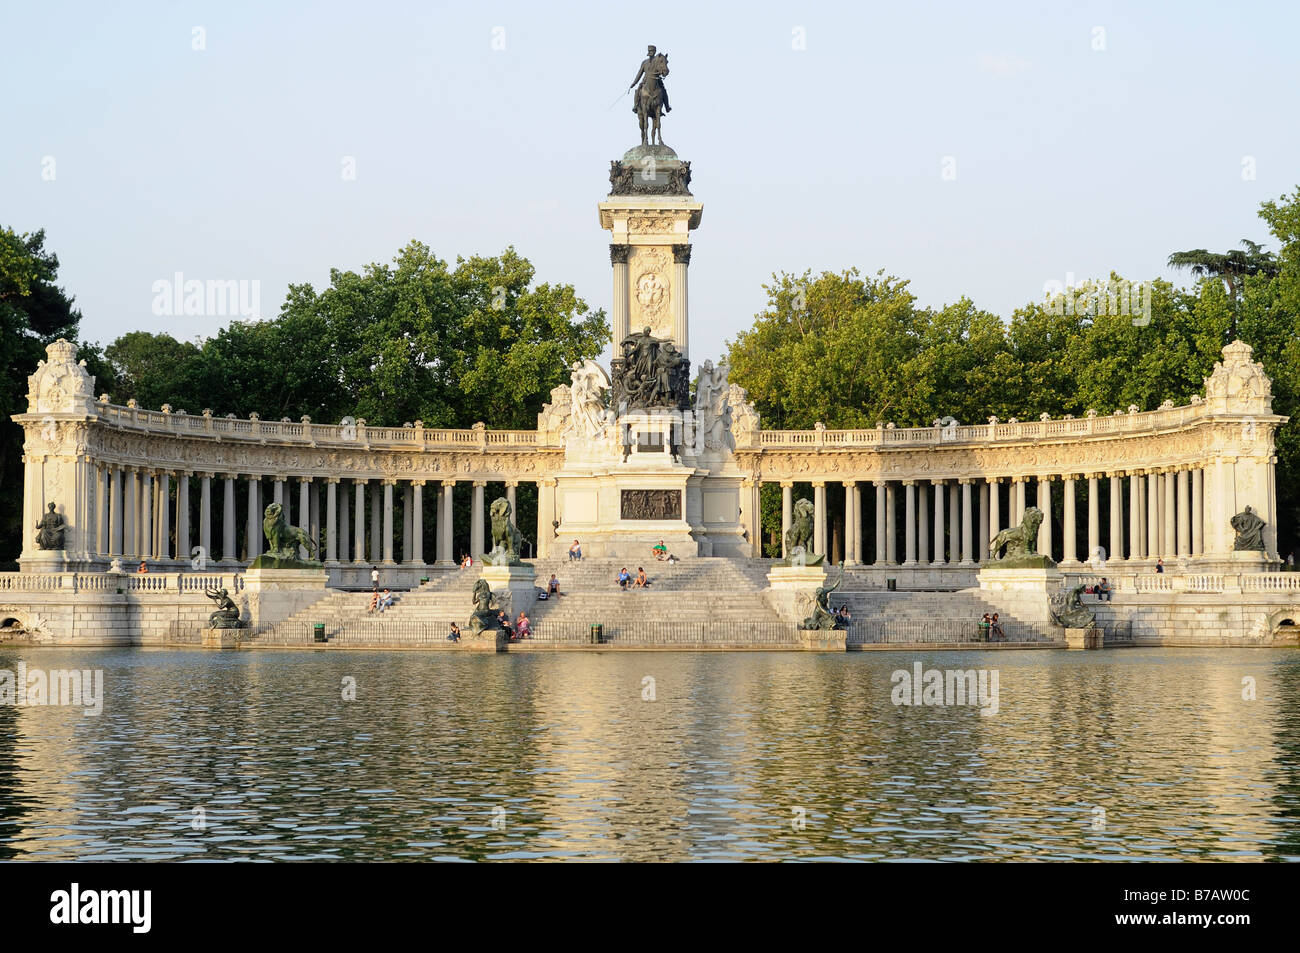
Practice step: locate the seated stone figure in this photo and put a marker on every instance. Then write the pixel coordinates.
(50, 530)
(1068, 611)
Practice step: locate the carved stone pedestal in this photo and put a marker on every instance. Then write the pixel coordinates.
(275, 594)
(791, 590)
(515, 587)
(487, 640)
(1090, 638)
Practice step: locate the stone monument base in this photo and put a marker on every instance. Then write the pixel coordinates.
(514, 586)
(823, 640)
(1044, 579)
(45, 560)
(790, 591)
(486, 640)
(1090, 638)
(275, 594)
(221, 638)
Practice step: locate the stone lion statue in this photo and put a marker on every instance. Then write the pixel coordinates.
(800, 533)
(282, 539)
(506, 538)
(1019, 540)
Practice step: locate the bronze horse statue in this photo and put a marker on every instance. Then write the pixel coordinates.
(651, 100)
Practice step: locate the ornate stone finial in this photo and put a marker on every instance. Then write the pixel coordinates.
(1238, 381)
(1013, 420)
(1091, 413)
(1044, 416)
(132, 404)
(304, 419)
(992, 420)
(166, 408)
(254, 416)
(103, 398)
(61, 351)
(479, 425)
(1167, 405)
(1132, 408)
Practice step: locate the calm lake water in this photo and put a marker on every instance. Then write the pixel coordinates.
(1130, 754)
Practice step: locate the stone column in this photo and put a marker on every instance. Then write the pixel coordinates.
(314, 523)
(146, 515)
(618, 255)
(850, 529)
(476, 520)
(967, 522)
(819, 518)
(205, 515)
(304, 511)
(787, 507)
(1094, 515)
(982, 542)
(332, 520)
(1069, 541)
(359, 522)
(183, 548)
(882, 532)
(1198, 513)
(115, 533)
(408, 491)
(1153, 515)
(278, 491)
(545, 516)
(344, 524)
(376, 521)
(253, 524)
(909, 523)
(417, 522)
(228, 554)
(954, 523)
(681, 259)
(891, 529)
(922, 524)
(101, 538)
(130, 511)
(445, 538)
(163, 549)
(857, 523)
(1170, 535)
(388, 522)
(1184, 513)
(938, 523)
(995, 512)
(1116, 516)
(1136, 532)
(1045, 504)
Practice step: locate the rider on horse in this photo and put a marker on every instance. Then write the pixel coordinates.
(654, 68)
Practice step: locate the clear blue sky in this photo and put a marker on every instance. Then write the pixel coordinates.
(225, 163)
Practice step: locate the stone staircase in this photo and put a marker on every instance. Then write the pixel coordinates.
(880, 615)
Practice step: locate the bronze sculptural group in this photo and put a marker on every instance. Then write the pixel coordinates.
(651, 100)
(822, 618)
(651, 374)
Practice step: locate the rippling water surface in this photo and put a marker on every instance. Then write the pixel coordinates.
(1135, 754)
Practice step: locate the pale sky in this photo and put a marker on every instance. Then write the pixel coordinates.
(1085, 137)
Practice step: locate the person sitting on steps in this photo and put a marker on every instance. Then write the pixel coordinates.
(553, 587)
(575, 551)
(660, 551)
(642, 581)
(454, 634)
(998, 634)
(624, 578)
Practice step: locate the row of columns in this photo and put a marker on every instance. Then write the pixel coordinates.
(1165, 510)
(134, 512)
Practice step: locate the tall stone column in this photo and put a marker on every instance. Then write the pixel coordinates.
(982, 540)
(995, 512)
(146, 515)
(130, 512)
(253, 523)
(1170, 535)
(228, 554)
(101, 537)
(1198, 513)
(1045, 504)
(476, 520)
(163, 546)
(331, 520)
(184, 550)
(278, 490)
(922, 524)
(787, 509)
(1019, 483)
(314, 523)
(1184, 513)
(967, 523)
(938, 524)
(1094, 515)
(205, 515)
(545, 516)
(618, 255)
(304, 511)
(1137, 548)
(850, 528)
(1069, 542)
(445, 555)
(882, 531)
(681, 260)
(1153, 515)
(408, 492)
(891, 530)
(954, 523)
(417, 522)
(359, 522)
(115, 512)
(376, 522)
(856, 492)
(909, 523)
(1116, 516)
(819, 518)
(344, 524)
(388, 522)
